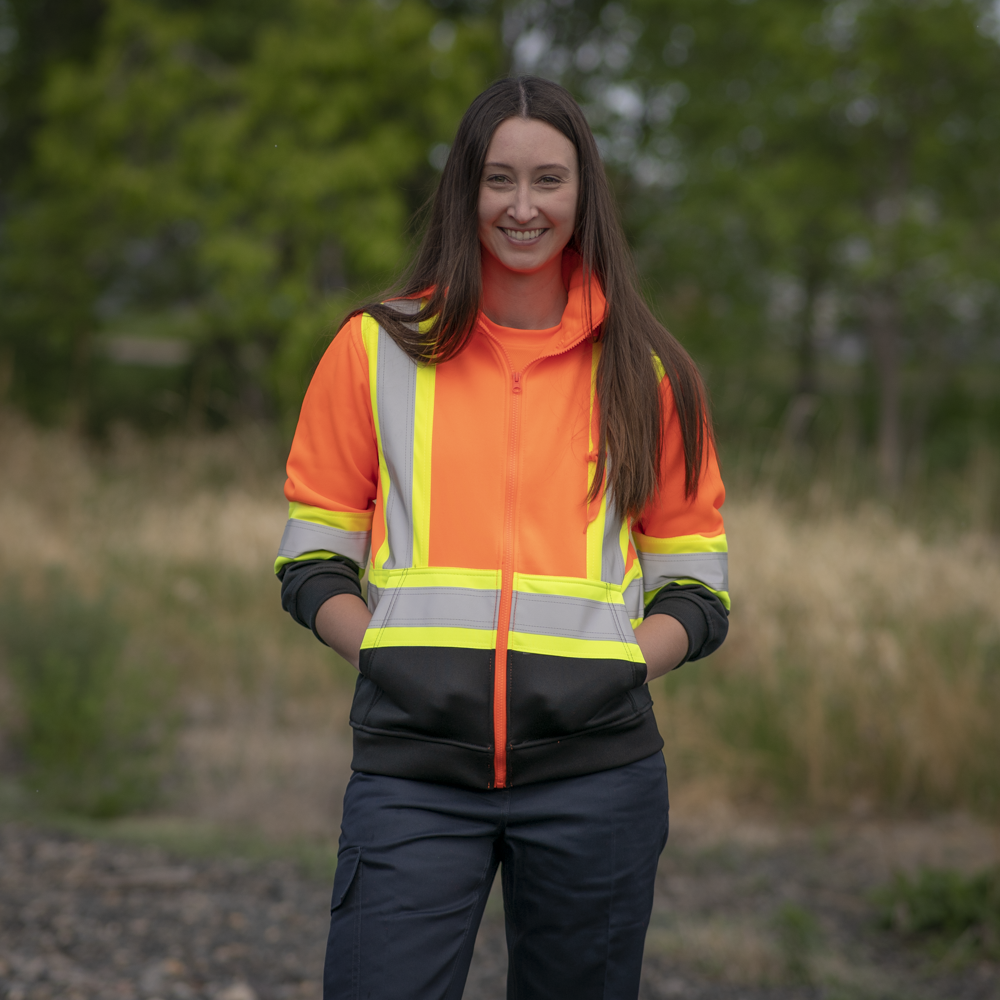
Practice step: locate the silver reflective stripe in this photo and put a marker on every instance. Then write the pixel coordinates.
(612, 560)
(436, 607)
(304, 536)
(374, 594)
(632, 595)
(710, 568)
(396, 395)
(575, 617)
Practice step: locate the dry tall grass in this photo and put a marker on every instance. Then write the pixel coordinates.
(862, 668)
(182, 535)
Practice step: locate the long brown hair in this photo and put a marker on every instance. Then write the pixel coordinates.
(632, 421)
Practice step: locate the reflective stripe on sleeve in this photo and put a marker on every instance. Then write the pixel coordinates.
(680, 544)
(301, 537)
(710, 568)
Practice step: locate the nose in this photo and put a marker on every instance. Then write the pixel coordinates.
(522, 211)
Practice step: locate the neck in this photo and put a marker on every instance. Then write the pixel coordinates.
(534, 301)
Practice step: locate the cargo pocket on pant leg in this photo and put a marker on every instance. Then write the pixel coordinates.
(342, 969)
(343, 879)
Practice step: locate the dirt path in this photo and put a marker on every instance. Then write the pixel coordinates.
(749, 913)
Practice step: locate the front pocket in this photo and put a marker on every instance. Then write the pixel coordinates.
(556, 696)
(433, 691)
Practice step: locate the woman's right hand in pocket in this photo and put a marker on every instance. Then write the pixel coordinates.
(341, 623)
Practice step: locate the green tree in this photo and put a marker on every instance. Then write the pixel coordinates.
(234, 206)
(842, 153)
(34, 36)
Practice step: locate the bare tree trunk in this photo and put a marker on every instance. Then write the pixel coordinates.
(883, 328)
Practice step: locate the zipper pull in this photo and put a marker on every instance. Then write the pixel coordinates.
(517, 382)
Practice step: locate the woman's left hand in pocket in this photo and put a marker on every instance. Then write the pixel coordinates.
(664, 644)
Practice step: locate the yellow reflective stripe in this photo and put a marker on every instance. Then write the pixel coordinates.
(422, 435)
(567, 586)
(595, 528)
(454, 638)
(488, 579)
(285, 560)
(369, 337)
(436, 576)
(342, 520)
(722, 595)
(590, 649)
(658, 365)
(470, 638)
(680, 544)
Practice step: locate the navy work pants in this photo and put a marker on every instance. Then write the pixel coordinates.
(417, 860)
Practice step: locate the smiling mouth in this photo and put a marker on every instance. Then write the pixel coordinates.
(523, 235)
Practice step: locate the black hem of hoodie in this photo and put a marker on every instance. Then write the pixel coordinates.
(450, 764)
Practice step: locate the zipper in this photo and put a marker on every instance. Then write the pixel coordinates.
(506, 591)
(507, 566)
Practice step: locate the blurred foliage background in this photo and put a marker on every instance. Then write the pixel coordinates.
(193, 194)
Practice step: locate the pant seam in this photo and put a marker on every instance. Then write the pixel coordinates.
(359, 909)
(468, 924)
(611, 896)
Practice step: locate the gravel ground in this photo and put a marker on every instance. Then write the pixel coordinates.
(752, 915)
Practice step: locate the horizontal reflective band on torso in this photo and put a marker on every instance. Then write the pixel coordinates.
(435, 607)
(574, 617)
(710, 568)
(557, 615)
(301, 537)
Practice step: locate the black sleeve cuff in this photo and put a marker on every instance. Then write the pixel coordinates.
(703, 615)
(307, 586)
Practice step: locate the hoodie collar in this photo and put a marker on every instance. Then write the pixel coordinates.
(586, 306)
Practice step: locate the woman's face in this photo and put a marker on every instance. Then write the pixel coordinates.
(528, 194)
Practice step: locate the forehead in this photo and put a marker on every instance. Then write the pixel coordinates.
(528, 141)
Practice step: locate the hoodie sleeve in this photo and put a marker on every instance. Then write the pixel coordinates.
(332, 478)
(681, 544)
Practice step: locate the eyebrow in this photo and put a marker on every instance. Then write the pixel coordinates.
(543, 166)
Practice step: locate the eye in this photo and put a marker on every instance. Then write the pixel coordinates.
(550, 179)
(497, 179)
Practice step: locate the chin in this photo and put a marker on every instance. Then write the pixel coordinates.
(524, 263)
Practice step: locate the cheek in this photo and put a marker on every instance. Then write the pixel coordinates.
(487, 209)
(567, 211)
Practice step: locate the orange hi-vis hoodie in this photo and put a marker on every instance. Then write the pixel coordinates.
(501, 648)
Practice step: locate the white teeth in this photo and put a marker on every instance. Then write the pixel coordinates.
(523, 235)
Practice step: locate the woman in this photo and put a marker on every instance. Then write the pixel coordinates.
(495, 443)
